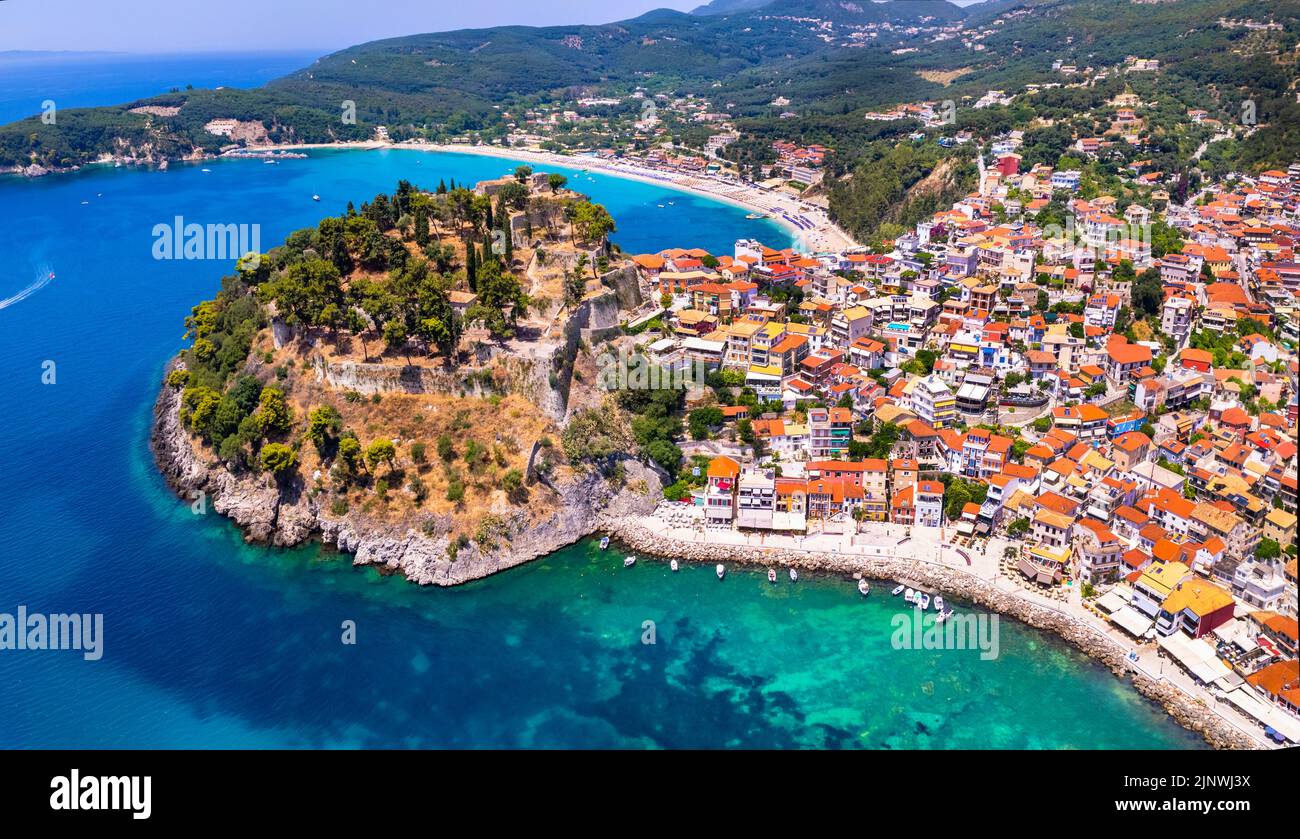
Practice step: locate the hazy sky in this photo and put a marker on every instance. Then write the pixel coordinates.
(235, 25)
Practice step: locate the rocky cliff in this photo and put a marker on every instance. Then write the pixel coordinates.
(286, 513)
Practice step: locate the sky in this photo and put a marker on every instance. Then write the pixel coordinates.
(171, 26)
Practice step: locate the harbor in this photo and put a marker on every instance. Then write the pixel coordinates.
(923, 562)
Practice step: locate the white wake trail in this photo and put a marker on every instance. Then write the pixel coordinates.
(46, 277)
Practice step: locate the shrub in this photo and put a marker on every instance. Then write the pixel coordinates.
(278, 458)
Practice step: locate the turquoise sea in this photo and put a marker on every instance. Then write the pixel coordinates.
(210, 642)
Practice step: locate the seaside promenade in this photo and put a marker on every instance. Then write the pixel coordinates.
(926, 551)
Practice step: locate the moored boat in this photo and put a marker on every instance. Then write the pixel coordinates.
(722, 572)
(673, 565)
(938, 603)
(943, 616)
(794, 576)
(771, 575)
(898, 589)
(864, 588)
(604, 542)
(924, 601)
(910, 596)
(629, 561)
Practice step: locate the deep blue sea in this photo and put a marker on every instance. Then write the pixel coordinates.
(78, 80)
(210, 642)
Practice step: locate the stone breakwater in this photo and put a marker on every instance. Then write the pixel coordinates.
(1190, 713)
(285, 514)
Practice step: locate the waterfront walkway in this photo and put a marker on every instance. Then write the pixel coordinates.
(982, 561)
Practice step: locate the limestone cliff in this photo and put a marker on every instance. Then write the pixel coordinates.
(283, 514)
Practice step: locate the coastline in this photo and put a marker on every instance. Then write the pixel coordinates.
(824, 236)
(1186, 710)
(285, 516)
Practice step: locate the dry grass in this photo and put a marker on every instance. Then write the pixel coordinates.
(944, 77)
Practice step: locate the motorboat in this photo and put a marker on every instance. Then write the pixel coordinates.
(794, 576)
(910, 596)
(673, 565)
(604, 542)
(315, 198)
(943, 616)
(938, 603)
(924, 601)
(771, 575)
(629, 561)
(722, 572)
(864, 588)
(898, 589)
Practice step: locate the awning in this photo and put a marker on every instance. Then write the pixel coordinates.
(1131, 621)
(1248, 701)
(1027, 568)
(1112, 601)
(789, 521)
(1198, 657)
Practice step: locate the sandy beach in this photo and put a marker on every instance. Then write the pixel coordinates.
(809, 225)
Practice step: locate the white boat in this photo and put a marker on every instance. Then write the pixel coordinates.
(673, 565)
(910, 596)
(943, 616)
(771, 575)
(722, 572)
(794, 576)
(315, 198)
(898, 589)
(205, 170)
(925, 602)
(938, 603)
(864, 588)
(604, 542)
(629, 561)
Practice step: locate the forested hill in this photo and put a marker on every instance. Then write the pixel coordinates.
(824, 60)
